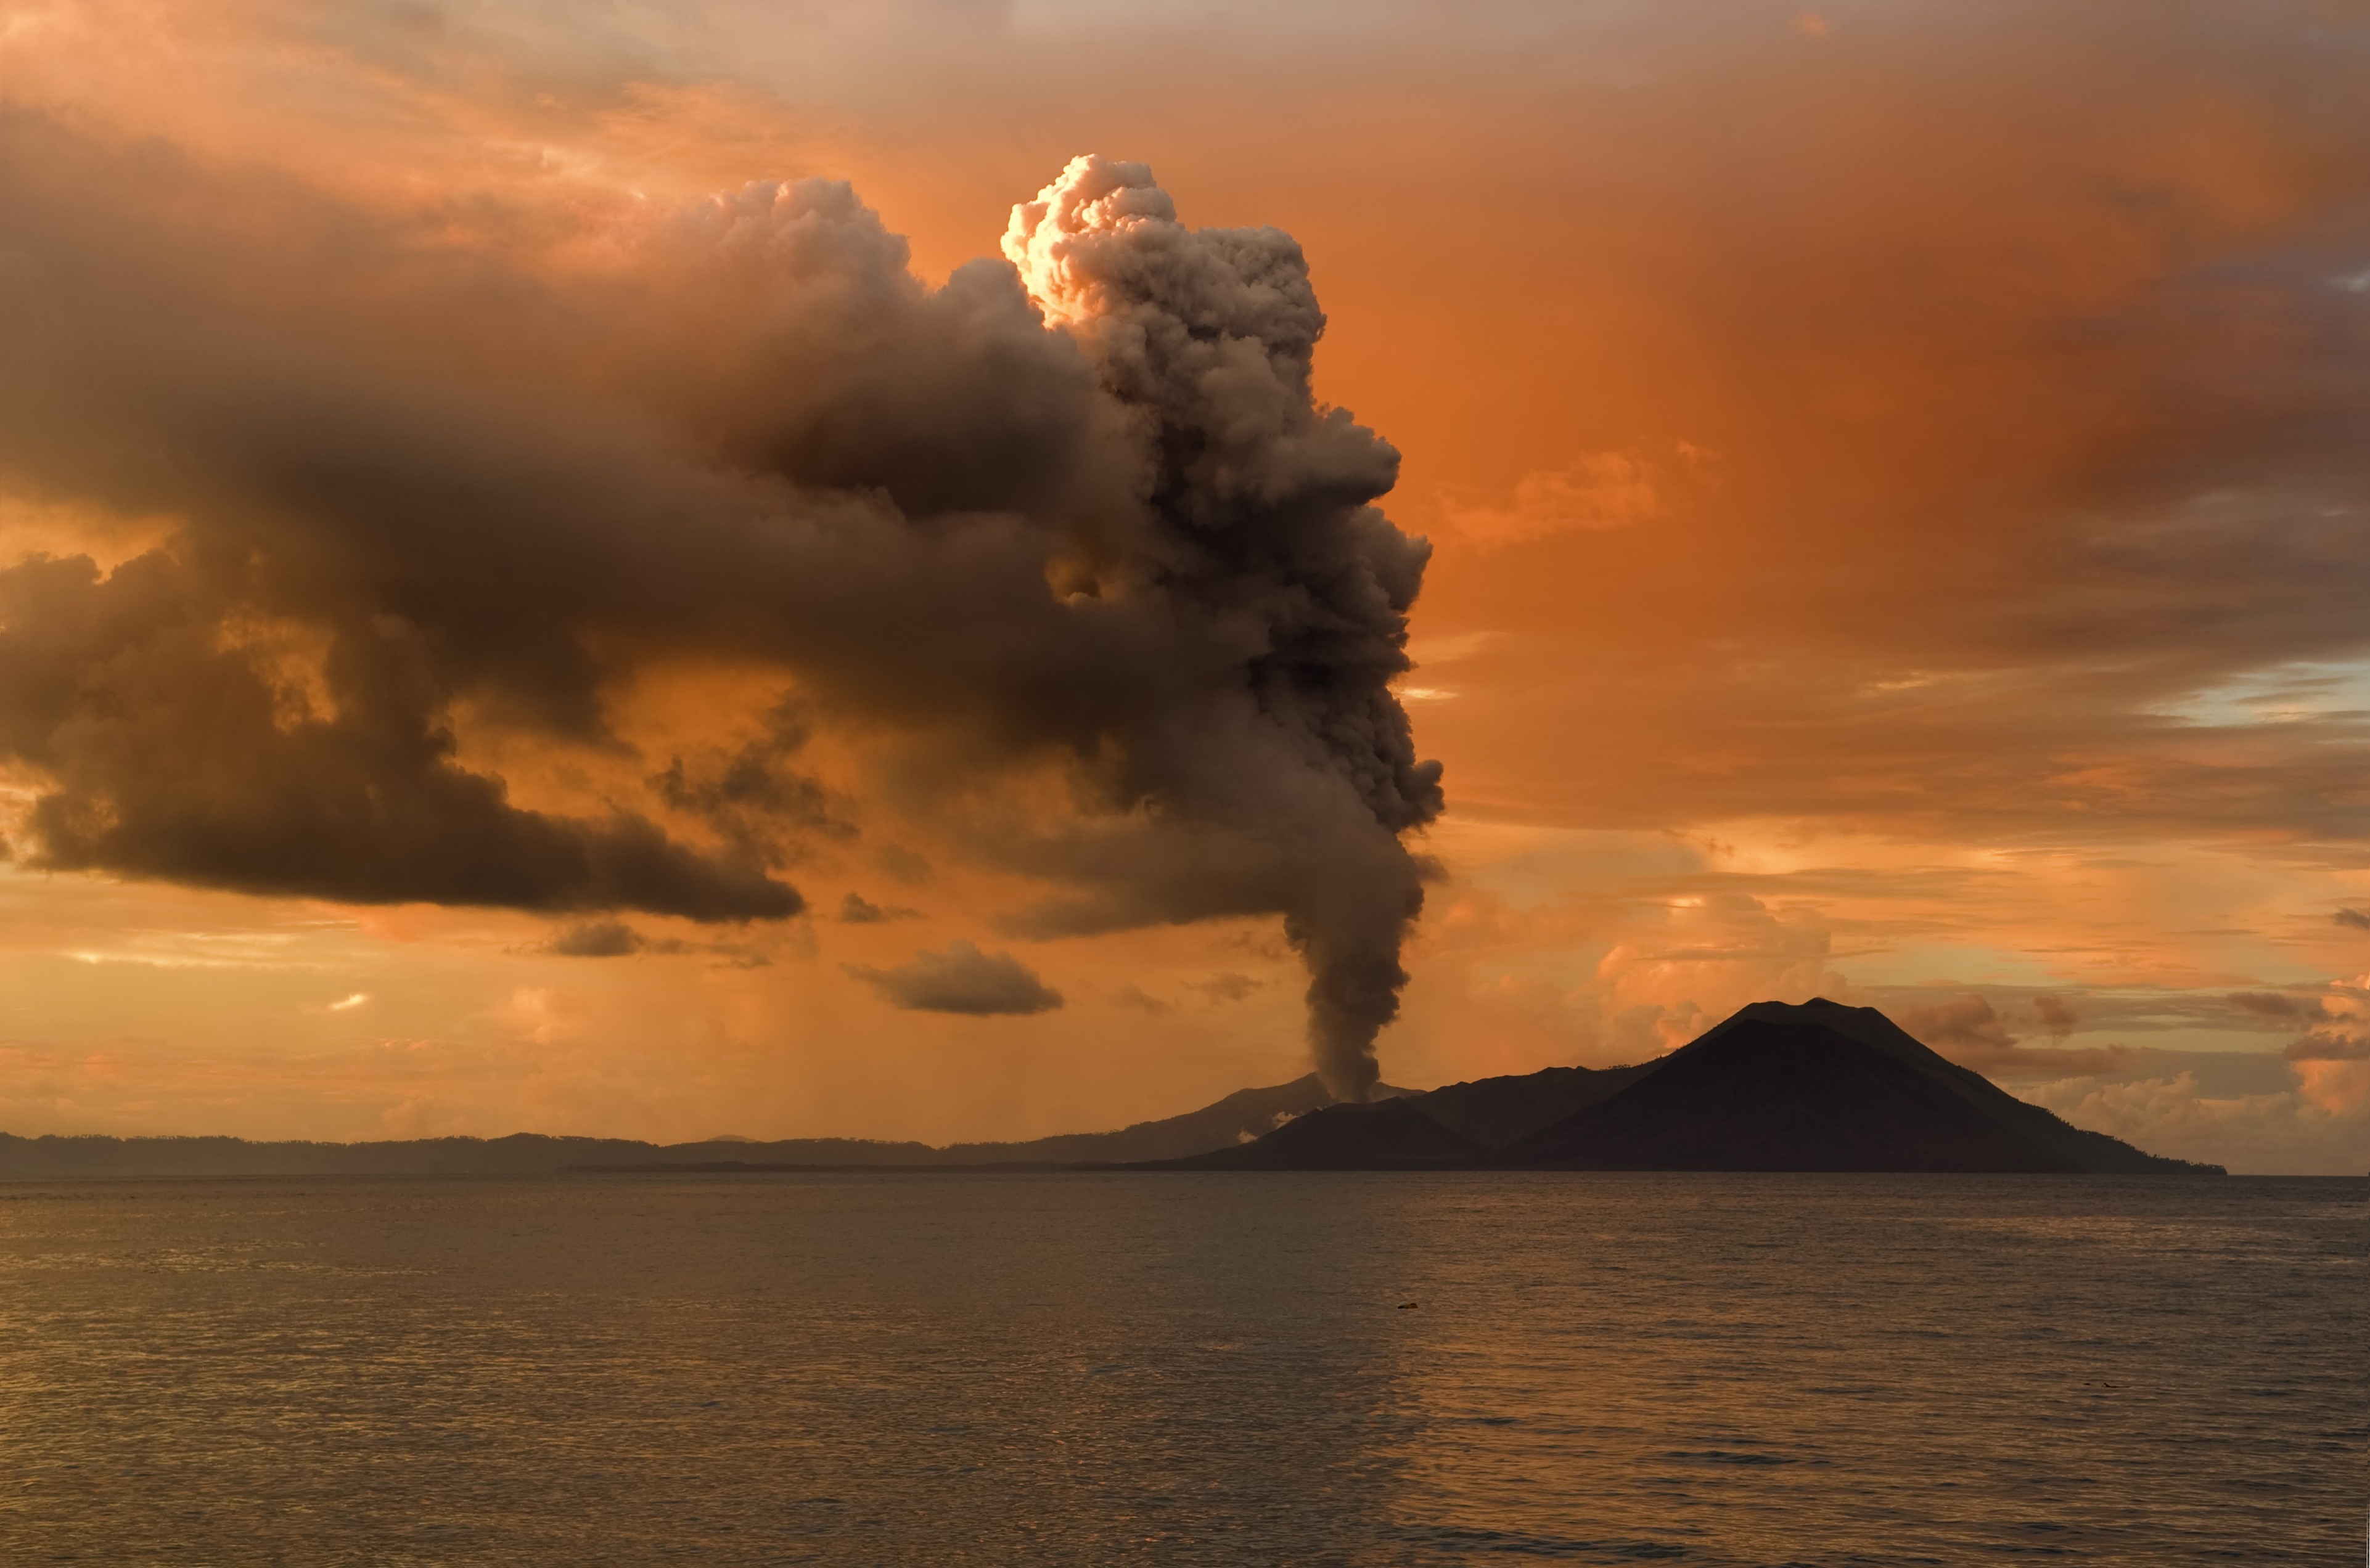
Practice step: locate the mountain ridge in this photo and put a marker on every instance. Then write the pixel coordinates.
(1237, 1117)
(1814, 1085)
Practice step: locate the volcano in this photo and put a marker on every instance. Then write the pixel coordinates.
(1777, 1086)
(1820, 1086)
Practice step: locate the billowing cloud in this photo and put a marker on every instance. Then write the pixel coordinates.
(1076, 512)
(2329, 1046)
(1700, 959)
(1970, 1032)
(169, 752)
(1967, 1024)
(2056, 1015)
(2321, 1127)
(1305, 775)
(962, 979)
(2009, 625)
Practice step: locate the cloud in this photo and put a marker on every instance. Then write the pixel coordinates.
(2329, 1046)
(2038, 433)
(857, 910)
(1970, 1033)
(1130, 994)
(2306, 1109)
(1967, 1024)
(1225, 987)
(752, 798)
(1702, 958)
(960, 979)
(170, 755)
(2276, 1006)
(2354, 920)
(901, 864)
(2305, 1130)
(1076, 512)
(1878, 618)
(1207, 338)
(1605, 489)
(597, 939)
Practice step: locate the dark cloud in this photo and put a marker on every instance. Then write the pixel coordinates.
(2325, 1045)
(2139, 1010)
(171, 755)
(2353, 918)
(1965, 1024)
(857, 910)
(960, 979)
(615, 939)
(2276, 1006)
(1970, 1033)
(1078, 509)
(597, 939)
(752, 798)
(2056, 1015)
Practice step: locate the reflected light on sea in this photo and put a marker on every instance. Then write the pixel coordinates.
(1251, 1369)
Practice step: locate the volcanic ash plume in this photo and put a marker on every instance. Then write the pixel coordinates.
(1084, 523)
(1258, 519)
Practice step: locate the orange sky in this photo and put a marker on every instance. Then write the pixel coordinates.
(1897, 477)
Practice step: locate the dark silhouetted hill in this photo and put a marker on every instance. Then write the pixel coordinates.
(1387, 1134)
(1241, 1116)
(1776, 1087)
(1819, 1087)
(524, 1154)
(1496, 1112)
(1247, 1114)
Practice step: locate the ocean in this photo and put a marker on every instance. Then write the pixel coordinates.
(1096, 1368)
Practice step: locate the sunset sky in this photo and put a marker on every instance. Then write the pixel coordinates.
(1897, 480)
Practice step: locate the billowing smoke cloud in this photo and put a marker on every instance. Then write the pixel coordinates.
(961, 979)
(1257, 516)
(425, 475)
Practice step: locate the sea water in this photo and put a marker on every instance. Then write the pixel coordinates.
(1183, 1369)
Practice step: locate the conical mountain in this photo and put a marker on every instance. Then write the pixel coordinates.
(1820, 1086)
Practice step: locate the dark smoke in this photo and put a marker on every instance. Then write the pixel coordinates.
(1093, 520)
(1258, 507)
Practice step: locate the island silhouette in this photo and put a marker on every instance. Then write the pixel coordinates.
(1777, 1086)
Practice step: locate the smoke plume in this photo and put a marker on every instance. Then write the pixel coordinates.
(465, 470)
(1257, 507)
